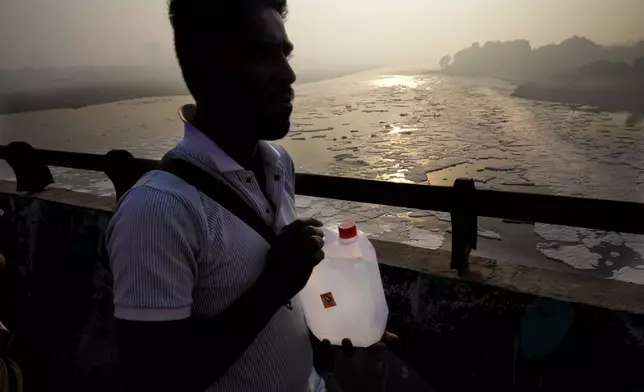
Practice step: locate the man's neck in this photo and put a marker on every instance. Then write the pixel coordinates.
(242, 152)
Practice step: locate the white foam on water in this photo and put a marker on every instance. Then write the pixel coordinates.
(635, 238)
(556, 233)
(517, 181)
(483, 233)
(485, 179)
(502, 168)
(442, 216)
(420, 214)
(489, 234)
(416, 174)
(630, 274)
(103, 185)
(597, 238)
(576, 256)
(303, 201)
(444, 164)
(425, 239)
(637, 247)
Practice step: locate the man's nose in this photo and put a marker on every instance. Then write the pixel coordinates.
(285, 72)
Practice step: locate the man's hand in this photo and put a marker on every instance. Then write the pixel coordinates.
(375, 368)
(388, 341)
(324, 354)
(296, 251)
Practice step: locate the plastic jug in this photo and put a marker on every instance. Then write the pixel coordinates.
(344, 296)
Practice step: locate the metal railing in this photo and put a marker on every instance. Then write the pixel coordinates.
(463, 201)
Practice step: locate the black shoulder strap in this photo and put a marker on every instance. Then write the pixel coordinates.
(218, 191)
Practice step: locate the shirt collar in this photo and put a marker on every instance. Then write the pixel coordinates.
(198, 143)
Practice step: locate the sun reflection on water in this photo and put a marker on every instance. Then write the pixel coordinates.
(396, 129)
(398, 176)
(396, 81)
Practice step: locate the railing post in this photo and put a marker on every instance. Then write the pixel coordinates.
(32, 174)
(464, 224)
(120, 171)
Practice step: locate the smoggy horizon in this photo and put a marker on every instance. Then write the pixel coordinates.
(330, 35)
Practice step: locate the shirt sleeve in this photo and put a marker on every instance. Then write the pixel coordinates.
(153, 242)
(289, 169)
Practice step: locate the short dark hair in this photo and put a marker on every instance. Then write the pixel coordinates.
(186, 11)
(192, 19)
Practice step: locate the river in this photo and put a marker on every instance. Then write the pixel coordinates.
(409, 127)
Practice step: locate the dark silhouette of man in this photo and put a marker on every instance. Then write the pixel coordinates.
(202, 302)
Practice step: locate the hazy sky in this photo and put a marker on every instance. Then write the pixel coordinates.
(327, 33)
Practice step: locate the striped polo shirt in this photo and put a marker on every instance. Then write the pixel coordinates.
(176, 253)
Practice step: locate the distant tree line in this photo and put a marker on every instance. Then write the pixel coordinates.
(574, 56)
(444, 63)
(608, 71)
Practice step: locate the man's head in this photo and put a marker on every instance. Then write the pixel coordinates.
(234, 59)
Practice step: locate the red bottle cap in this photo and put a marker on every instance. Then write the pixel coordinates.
(347, 230)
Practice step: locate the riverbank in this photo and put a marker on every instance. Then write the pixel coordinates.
(35, 90)
(608, 97)
(78, 97)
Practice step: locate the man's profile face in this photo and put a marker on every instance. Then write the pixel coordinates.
(254, 80)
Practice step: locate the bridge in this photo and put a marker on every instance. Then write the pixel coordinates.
(462, 319)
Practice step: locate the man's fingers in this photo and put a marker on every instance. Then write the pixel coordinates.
(298, 225)
(316, 243)
(389, 337)
(388, 341)
(311, 260)
(318, 256)
(324, 357)
(347, 348)
(313, 231)
(310, 222)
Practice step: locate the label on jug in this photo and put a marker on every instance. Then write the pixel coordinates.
(327, 300)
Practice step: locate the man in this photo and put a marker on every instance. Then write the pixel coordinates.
(202, 302)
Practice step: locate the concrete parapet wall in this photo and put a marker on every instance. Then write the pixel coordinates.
(502, 328)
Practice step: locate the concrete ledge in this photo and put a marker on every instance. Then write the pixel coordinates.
(65, 196)
(569, 287)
